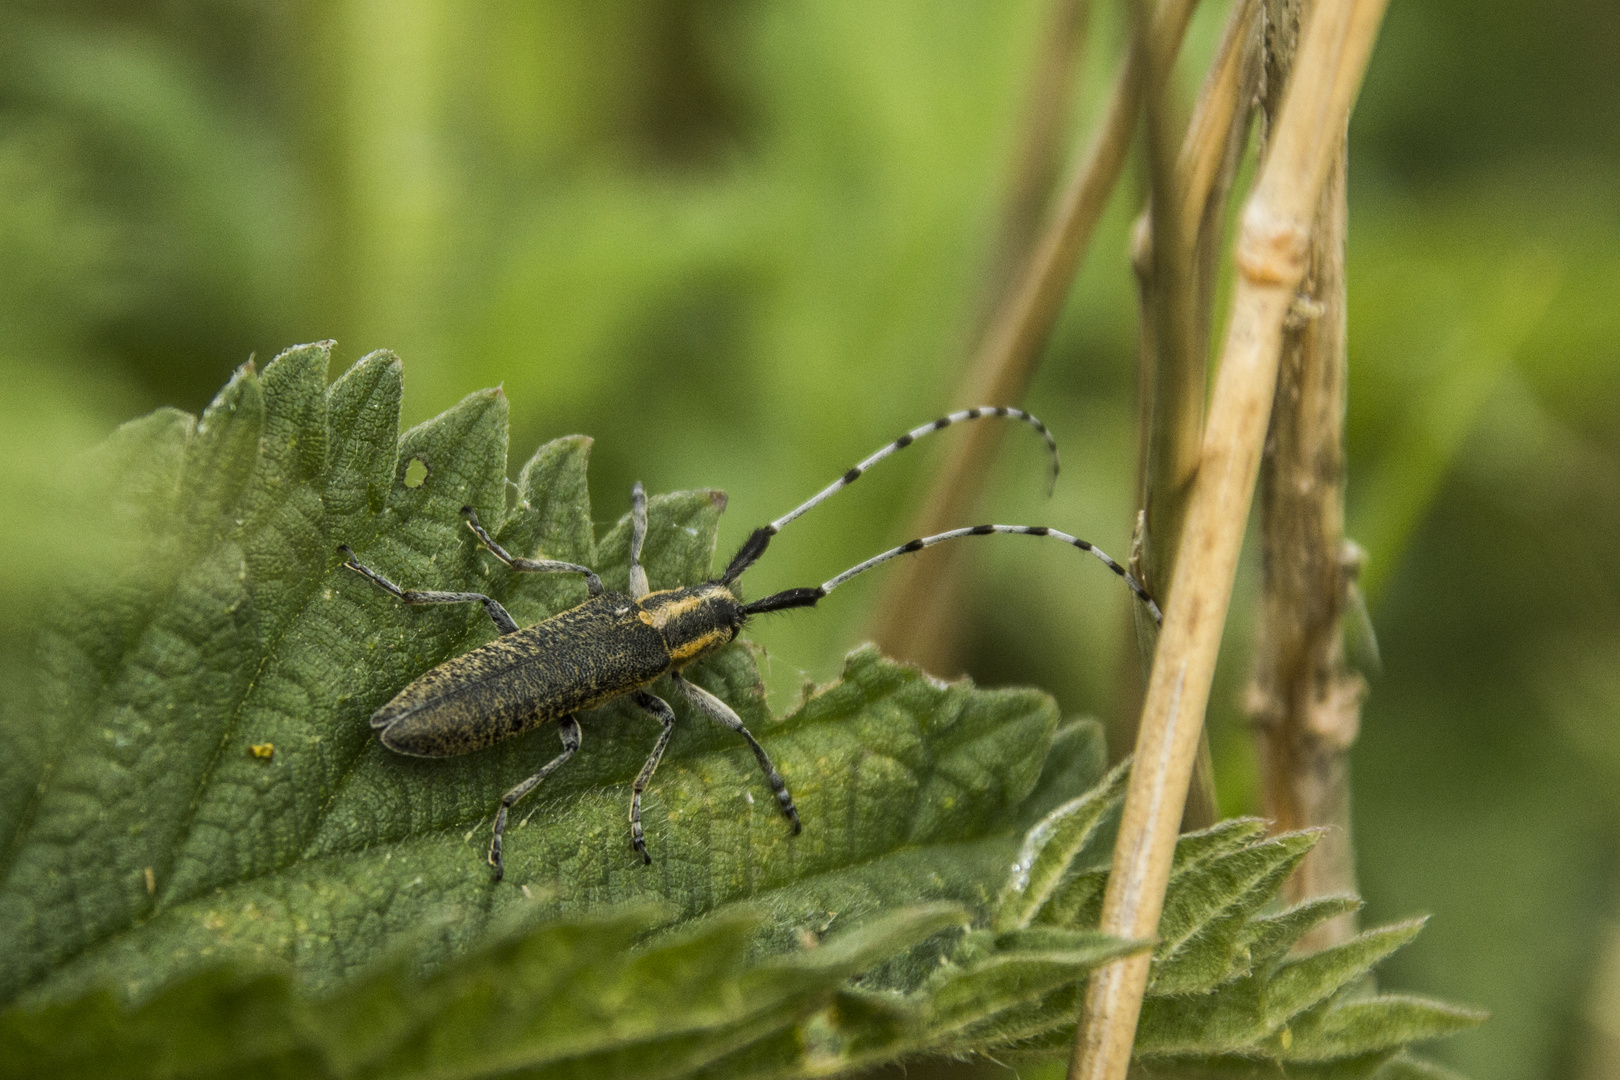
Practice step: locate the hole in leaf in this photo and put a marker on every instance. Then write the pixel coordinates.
(416, 472)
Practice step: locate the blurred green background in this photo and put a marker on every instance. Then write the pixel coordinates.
(742, 243)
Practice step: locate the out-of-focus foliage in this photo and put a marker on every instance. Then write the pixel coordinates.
(212, 869)
(741, 243)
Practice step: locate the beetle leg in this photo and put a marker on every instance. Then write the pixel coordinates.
(593, 584)
(638, 535)
(719, 711)
(502, 620)
(568, 729)
(659, 710)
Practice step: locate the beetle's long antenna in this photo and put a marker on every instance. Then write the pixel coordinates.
(807, 597)
(756, 543)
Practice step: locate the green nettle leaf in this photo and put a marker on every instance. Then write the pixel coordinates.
(1224, 998)
(211, 867)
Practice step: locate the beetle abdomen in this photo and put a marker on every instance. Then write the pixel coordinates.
(578, 659)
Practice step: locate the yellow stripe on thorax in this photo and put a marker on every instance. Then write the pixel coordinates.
(699, 645)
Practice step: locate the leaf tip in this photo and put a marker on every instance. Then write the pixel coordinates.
(379, 358)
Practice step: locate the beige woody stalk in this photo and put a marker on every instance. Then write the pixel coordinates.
(1040, 149)
(1304, 701)
(1271, 260)
(1174, 397)
(908, 622)
(1175, 256)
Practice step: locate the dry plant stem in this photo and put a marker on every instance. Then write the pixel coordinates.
(1035, 165)
(1176, 242)
(1217, 131)
(1179, 367)
(1173, 386)
(1303, 700)
(1271, 261)
(910, 622)
(1040, 146)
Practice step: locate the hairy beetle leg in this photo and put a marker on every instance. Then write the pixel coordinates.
(659, 710)
(568, 731)
(722, 713)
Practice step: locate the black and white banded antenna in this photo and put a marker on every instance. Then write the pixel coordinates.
(756, 543)
(807, 597)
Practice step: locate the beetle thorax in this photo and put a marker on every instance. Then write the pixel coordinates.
(694, 620)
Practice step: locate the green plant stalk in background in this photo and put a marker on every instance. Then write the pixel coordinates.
(211, 868)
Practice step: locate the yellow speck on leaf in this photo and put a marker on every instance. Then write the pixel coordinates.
(263, 751)
(151, 881)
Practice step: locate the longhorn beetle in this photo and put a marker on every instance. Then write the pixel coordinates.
(615, 644)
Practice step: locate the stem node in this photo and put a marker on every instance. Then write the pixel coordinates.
(1272, 250)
